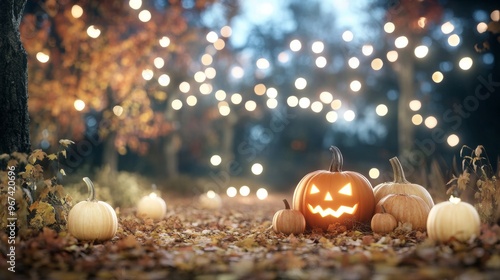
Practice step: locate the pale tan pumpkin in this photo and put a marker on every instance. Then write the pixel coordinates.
(383, 222)
(453, 219)
(401, 186)
(152, 206)
(406, 209)
(288, 221)
(210, 200)
(92, 220)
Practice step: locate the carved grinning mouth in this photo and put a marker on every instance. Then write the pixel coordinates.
(329, 211)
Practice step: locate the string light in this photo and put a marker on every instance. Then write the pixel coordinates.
(144, 16)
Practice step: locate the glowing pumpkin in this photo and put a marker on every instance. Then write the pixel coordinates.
(334, 196)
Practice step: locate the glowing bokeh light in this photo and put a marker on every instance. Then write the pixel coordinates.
(79, 105)
(447, 27)
(336, 104)
(304, 102)
(237, 72)
(347, 36)
(244, 191)
(453, 140)
(415, 105)
(417, 119)
(349, 115)
(231, 192)
(236, 98)
(257, 168)
(295, 45)
(42, 57)
(326, 97)
(292, 101)
(401, 42)
(321, 62)
(147, 74)
(215, 160)
(300, 83)
(76, 11)
(164, 80)
(212, 37)
(381, 110)
(144, 16)
(250, 105)
(377, 64)
(316, 106)
(465, 63)
(454, 40)
(159, 62)
(367, 50)
(261, 193)
(176, 104)
(164, 41)
(135, 4)
(437, 77)
(355, 85)
(374, 173)
(332, 116)
(392, 56)
(262, 63)
(421, 51)
(318, 47)
(430, 122)
(353, 62)
(389, 27)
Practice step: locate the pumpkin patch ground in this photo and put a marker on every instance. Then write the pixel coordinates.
(237, 241)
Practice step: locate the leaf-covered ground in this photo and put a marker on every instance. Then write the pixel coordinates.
(236, 242)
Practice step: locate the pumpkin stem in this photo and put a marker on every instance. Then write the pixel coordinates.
(399, 175)
(287, 206)
(90, 186)
(337, 160)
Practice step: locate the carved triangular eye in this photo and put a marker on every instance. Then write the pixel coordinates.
(347, 190)
(314, 189)
(328, 197)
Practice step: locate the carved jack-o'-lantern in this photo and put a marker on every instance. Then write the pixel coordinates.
(334, 196)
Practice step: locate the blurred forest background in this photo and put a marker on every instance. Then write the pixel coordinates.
(225, 90)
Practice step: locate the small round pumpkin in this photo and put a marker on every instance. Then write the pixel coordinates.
(401, 186)
(210, 200)
(406, 209)
(332, 196)
(383, 222)
(152, 206)
(288, 221)
(92, 219)
(453, 219)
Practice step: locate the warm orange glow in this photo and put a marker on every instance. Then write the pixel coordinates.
(314, 189)
(328, 197)
(347, 190)
(330, 212)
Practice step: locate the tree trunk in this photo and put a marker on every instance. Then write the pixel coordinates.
(110, 155)
(227, 137)
(406, 130)
(171, 149)
(14, 118)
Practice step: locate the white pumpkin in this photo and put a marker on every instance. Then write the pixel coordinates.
(453, 219)
(92, 219)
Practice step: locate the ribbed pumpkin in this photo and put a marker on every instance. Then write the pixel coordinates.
(401, 186)
(334, 196)
(92, 220)
(453, 219)
(288, 221)
(406, 209)
(383, 222)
